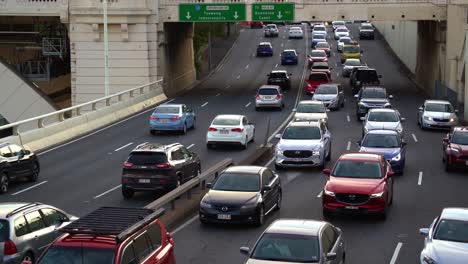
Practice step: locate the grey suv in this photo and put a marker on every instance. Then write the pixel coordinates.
(28, 228)
(303, 144)
(152, 167)
(371, 97)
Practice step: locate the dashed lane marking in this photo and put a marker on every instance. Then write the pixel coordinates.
(203, 105)
(320, 194)
(348, 118)
(29, 188)
(348, 147)
(191, 146)
(108, 191)
(420, 178)
(124, 146)
(395, 254)
(247, 105)
(414, 137)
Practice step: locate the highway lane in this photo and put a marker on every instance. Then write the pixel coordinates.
(418, 200)
(84, 175)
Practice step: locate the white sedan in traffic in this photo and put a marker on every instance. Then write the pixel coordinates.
(230, 129)
(341, 32)
(295, 32)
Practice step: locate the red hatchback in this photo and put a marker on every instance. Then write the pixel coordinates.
(317, 55)
(455, 146)
(113, 235)
(358, 183)
(315, 79)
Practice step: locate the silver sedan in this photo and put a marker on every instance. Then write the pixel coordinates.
(437, 114)
(332, 95)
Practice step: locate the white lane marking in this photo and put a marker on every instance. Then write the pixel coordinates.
(253, 54)
(218, 94)
(242, 30)
(336, 64)
(270, 162)
(414, 137)
(184, 225)
(102, 129)
(348, 118)
(108, 191)
(191, 146)
(337, 74)
(282, 44)
(276, 66)
(420, 178)
(395, 254)
(203, 105)
(238, 77)
(348, 147)
(29, 188)
(333, 54)
(320, 194)
(124, 146)
(247, 105)
(220, 67)
(246, 67)
(281, 126)
(227, 86)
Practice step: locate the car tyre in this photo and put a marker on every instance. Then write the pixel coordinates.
(127, 193)
(278, 167)
(279, 200)
(448, 167)
(28, 257)
(153, 132)
(260, 216)
(193, 124)
(328, 157)
(244, 146)
(4, 181)
(253, 136)
(184, 129)
(35, 172)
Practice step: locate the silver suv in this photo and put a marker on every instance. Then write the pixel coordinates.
(303, 144)
(28, 228)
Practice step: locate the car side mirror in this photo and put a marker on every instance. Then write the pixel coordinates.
(27, 152)
(326, 171)
(390, 96)
(390, 173)
(328, 110)
(294, 110)
(363, 118)
(380, 75)
(330, 256)
(403, 119)
(266, 188)
(456, 110)
(403, 144)
(245, 251)
(340, 92)
(424, 231)
(278, 136)
(356, 96)
(421, 108)
(209, 185)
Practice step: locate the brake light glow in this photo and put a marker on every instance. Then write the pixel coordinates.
(278, 96)
(9, 248)
(128, 164)
(237, 129)
(163, 180)
(154, 118)
(163, 165)
(257, 97)
(175, 118)
(212, 129)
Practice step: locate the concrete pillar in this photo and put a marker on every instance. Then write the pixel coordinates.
(465, 101)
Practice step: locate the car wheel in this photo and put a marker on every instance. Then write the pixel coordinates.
(383, 215)
(448, 166)
(4, 181)
(260, 216)
(253, 137)
(278, 201)
(257, 108)
(322, 165)
(127, 193)
(34, 173)
(184, 129)
(391, 198)
(358, 118)
(193, 124)
(28, 257)
(244, 146)
(328, 158)
(342, 104)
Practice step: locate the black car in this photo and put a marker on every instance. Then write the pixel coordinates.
(280, 78)
(371, 97)
(16, 163)
(152, 167)
(364, 77)
(241, 194)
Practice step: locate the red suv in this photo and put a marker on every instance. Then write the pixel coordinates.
(315, 79)
(113, 235)
(358, 183)
(455, 146)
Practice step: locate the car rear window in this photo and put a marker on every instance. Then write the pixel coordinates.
(224, 121)
(277, 75)
(167, 110)
(319, 36)
(319, 28)
(352, 63)
(318, 53)
(341, 30)
(357, 169)
(365, 75)
(268, 91)
(4, 230)
(320, 66)
(351, 49)
(78, 255)
(373, 93)
(289, 53)
(322, 45)
(264, 46)
(367, 27)
(147, 158)
(326, 89)
(318, 78)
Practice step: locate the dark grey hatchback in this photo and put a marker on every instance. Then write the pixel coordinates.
(241, 194)
(152, 167)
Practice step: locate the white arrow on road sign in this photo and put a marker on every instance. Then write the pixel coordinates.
(188, 15)
(235, 15)
(279, 15)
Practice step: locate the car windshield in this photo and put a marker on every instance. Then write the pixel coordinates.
(318, 53)
(287, 248)
(434, 107)
(147, 158)
(278, 75)
(345, 40)
(367, 75)
(460, 138)
(367, 27)
(318, 77)
(452, 230)
(373, 93)
(338, 23)
(381, 141)
(352, 63)
(78, 255)
(310, 108)
(319, 36)
(271, 26)
(264, 46)
(167, 110)
(382, 117)
(268, 91)
(4, 231)
(321, 66)
(226, 121)
(341, 30)
(322, 45)
(237, 182)
(326, 89)
(319, 28)
(351, 49)
(302, 132)
(357, 169)
(289, 53)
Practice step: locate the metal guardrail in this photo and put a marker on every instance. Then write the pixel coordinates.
(60, 115)
(188, 187)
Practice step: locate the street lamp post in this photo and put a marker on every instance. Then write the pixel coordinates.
(106, 50)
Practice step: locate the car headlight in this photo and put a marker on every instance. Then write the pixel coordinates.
(452, 120)
(316, 152)
(279, 152)
(205, 204)
(429, 260)
(397, 157)
(376, 195)
(366, 129)
(358, 82)
(399, 129)
(387, 105)
(427, 118)
(327, 192)
(324, 120)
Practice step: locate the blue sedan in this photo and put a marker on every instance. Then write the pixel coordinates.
(264, 49)
(289, 57)
(386, 142)
(170, 117)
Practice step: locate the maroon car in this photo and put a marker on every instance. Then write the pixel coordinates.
(317, 55)
(358, 183)
(455, 146)
(323, 46)
(322, 66)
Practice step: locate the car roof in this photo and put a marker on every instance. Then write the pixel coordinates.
(339, 21)
(296, 226)
(293, 50)
(317, 50)
(310, 102)
(322, 43)
(437, 101)
(344, 38)
(154, 147)
(295, 28)
(265, 43)
(342, 27)
(170, 105)
(302, 123)
(244, 169)
(9, 207)
(229, 116)
(455, 213)
(269, 86)
(382, 110)
(382, 132)
(279, 71)
(360, 156)
(464, 129)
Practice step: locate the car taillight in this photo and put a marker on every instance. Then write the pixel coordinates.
(278, 96)
(162, 180)
(163, 165)
(125, 180)
(212, 129)
(175, 118)
(128, 164)
(257, 97)
(9, 248)
(154, 118)
(237, 129)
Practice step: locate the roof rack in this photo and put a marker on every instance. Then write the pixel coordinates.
(21, 208)
(115, 221)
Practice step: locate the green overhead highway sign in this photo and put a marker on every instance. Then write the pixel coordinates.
(273, 11)
(211, 12)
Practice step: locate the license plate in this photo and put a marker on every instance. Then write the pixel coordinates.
(164, 120)
(268, 97)
(352, 207)
(144, 180)
(224, 132)
(224, 217)
(297, 159)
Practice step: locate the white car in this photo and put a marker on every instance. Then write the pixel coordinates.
(349, 65)
(437, 114)
(320, 30)
(343, 41)
(296, 32)
(230, 129)
(310, 110)
(382, 119)
(337, 24)
(341, 32)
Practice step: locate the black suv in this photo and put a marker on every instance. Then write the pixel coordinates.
(364, 77)
(152, 167)
(280, 78)
(15, 163)
(371, 97)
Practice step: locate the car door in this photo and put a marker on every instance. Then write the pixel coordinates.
(54, 220)
(267, 195)
(274, 182)
(191, 162)
(39, 231)
(247, 128)
(340, 95)
(328, 239)
(326, 137)
(10, 165)
(162, 250)
(336, 243)
(182, 168)
(23, 162)
(187, 115)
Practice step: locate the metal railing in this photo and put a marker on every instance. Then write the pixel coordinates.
(76, 110)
